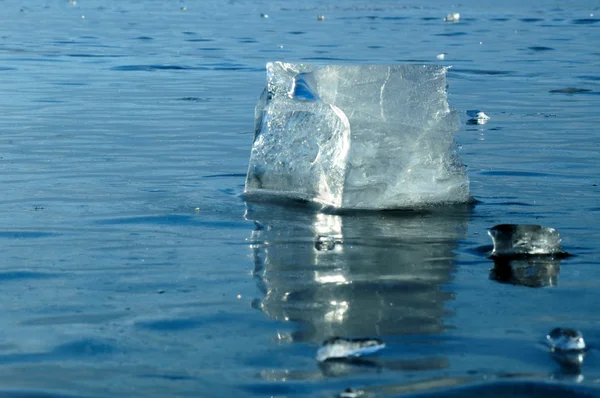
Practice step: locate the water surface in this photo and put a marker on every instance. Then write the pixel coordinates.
(130, 265)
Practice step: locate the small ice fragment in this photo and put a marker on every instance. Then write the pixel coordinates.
(452, 17)
(340, 347)
(563, 339)
(325, 243)
(320, 17)
(477, 117)
(349, 393)
(475, 113)
(441, 56)
(524, 239)
(265, 16)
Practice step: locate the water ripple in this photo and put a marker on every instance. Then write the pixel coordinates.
(26, 234)
(586, 21)
(540, 48)
(151, 67)
(479, 71)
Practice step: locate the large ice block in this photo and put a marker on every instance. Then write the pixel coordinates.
(357, 137)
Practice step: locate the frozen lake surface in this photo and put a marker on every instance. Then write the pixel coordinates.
(131, 266)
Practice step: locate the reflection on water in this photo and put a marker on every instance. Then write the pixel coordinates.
(570, 362)
(538, 271)
(355, 275)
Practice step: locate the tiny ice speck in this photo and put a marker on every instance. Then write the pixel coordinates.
(452, 17)
(340, 347)
(564, 339)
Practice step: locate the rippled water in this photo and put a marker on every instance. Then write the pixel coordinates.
(130, 265)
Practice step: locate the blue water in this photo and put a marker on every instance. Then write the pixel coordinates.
(130, 266)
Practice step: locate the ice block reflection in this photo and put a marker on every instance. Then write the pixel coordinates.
(368, 274)
(541, 271)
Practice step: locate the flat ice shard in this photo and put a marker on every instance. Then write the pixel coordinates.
(356, 137)
(525, 239)
(340, 347)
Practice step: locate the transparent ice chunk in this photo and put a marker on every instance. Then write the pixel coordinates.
(525, 239)
(564, 339)
(356, 137)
